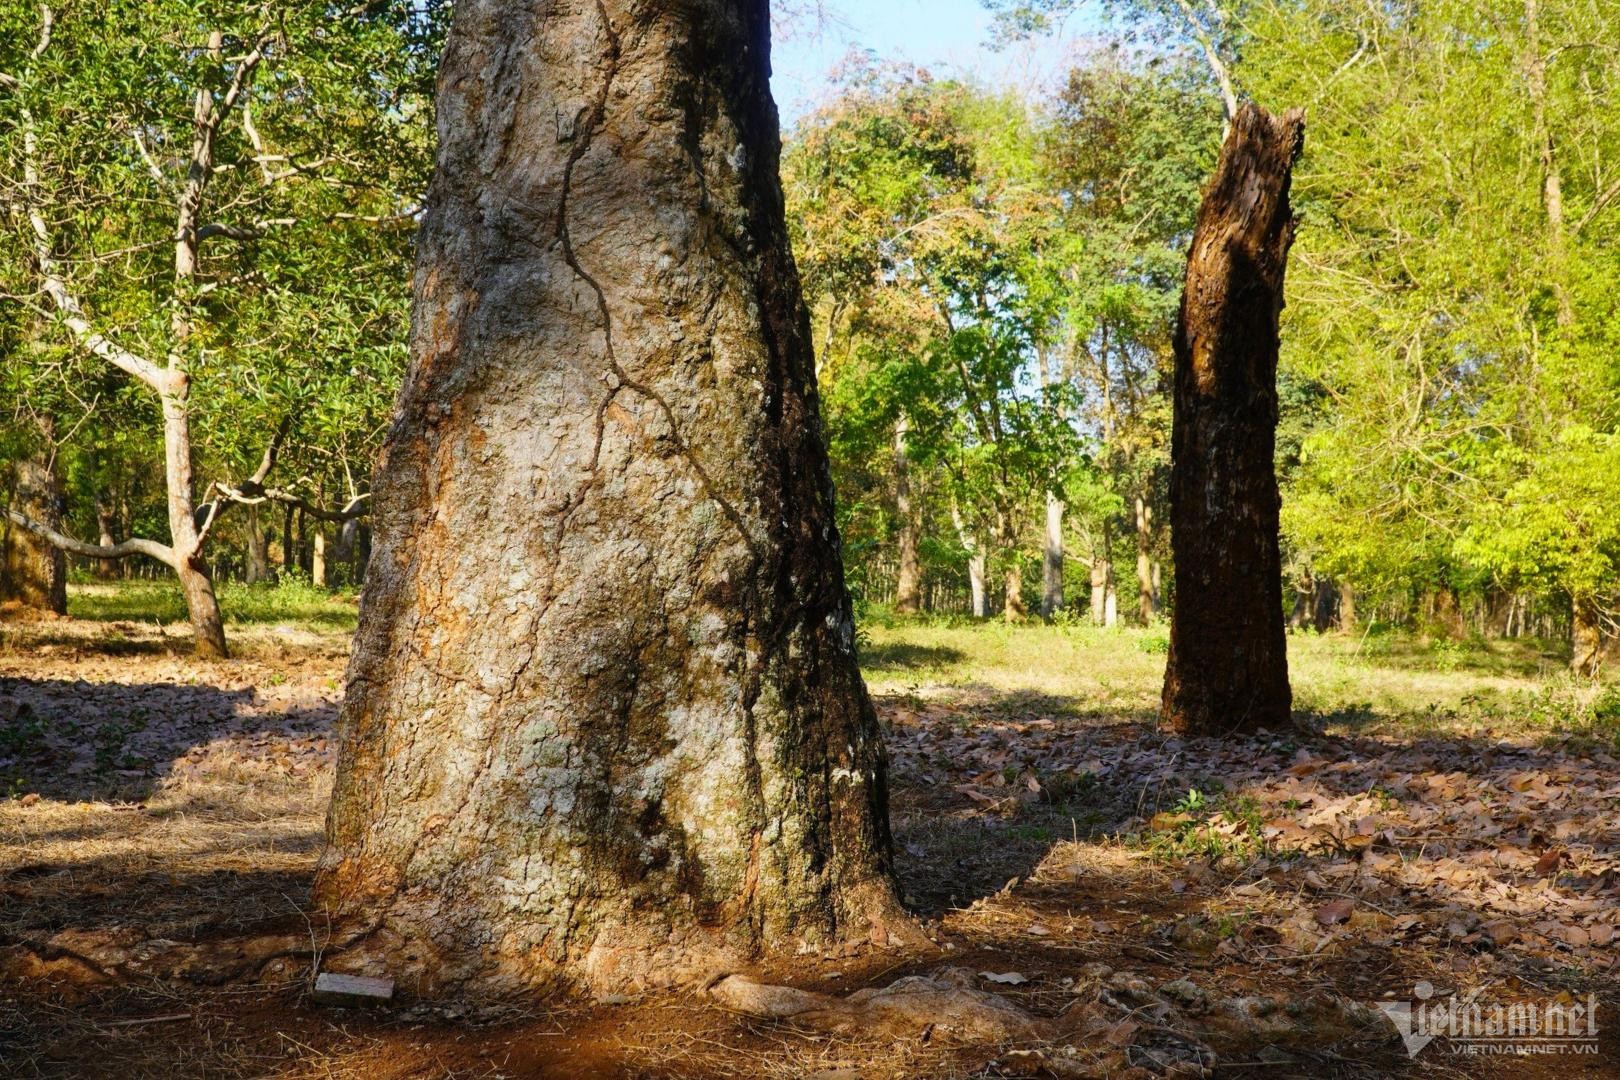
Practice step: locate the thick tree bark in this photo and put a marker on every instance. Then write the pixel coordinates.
(908, 584)
(1347, 606)
(33, 571)
(1228, 664)
(604, 723)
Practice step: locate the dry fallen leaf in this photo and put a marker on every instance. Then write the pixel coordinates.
(1334, 912)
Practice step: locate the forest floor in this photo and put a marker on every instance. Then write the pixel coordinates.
(1446, 813)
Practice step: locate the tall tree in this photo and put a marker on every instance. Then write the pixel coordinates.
(1228, 664)
(201, 201)
(604, 720)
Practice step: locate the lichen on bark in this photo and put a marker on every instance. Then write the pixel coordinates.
(604, 722)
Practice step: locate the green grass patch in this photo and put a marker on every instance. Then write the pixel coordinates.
(288, 602)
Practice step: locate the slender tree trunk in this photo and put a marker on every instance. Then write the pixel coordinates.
(1052, 562)
(1052, 547)
(289, 551)
(1347, 605)
(1013, 608)
(1552, 177)
(1304, 592)
(1111, 605)
(1228, 664)
(604, 722)
(258, 548)
(360, 551)
(908, 583)
(106, 569)
(1586, 637)
(978, 570)
(190, 566)
(33, 571)
(317, 558)
(1325, 605)
(1100, 572)
(1146, 599)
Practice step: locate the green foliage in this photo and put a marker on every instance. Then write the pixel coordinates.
(296, 314)
(291, 601)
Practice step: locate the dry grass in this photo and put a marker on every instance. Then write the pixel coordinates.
(160, 819)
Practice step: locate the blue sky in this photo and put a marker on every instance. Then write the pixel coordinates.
(942, 35)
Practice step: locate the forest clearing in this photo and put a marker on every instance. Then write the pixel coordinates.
(1453, 821)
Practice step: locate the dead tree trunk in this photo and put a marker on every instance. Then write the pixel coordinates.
(1228, 664)
(33, 571)
(604, 722)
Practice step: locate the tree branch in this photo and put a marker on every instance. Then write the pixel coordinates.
(70, 311)
(134, 546)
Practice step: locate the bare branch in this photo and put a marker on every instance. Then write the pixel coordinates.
(134, 546)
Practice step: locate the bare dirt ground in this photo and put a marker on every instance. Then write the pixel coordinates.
(1232, 908)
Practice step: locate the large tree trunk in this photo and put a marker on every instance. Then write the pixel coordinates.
(908, 585)
(33, 571)
(604, 722)
(1228, 664)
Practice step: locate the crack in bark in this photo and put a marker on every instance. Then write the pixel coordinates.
(593, 124)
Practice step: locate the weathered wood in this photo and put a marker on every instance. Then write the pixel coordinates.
(1228, 664)
(332, 988)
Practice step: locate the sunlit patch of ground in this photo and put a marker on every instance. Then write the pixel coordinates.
(1442, 813)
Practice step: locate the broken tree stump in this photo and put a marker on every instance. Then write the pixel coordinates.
(1228, 664)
